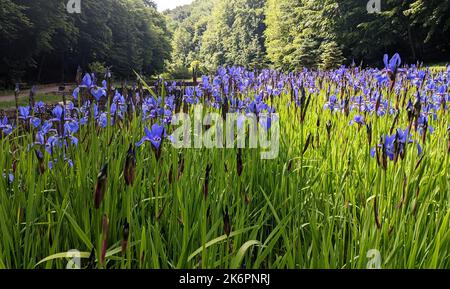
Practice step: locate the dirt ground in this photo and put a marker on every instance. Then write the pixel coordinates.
(41, 89)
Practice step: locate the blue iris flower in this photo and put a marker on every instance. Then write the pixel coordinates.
(358, 119)
(394, 63)
(154, 136)
(24, 112)
(396, 143)
(87, 81)
(5, 126)
(9, 177)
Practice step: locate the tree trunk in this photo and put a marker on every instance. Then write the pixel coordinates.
(411, 42)
(41, 65)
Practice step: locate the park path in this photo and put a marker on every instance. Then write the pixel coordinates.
(41, 89)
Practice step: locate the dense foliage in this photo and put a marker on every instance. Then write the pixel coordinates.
(40, 40)
(321, 33)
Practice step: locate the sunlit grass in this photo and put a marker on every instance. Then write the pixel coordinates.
(48, 98)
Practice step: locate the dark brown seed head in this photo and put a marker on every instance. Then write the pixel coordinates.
(180, 166)
(417, 106)
(347, 106)
(375, 210)
(130, 166)
(125, 236)
(206, 184)
(308, 142)
(369, 133)
(100, 188)
(329, 125)
(225, 108)
(289, 167)
(240, 166)
(105, 233)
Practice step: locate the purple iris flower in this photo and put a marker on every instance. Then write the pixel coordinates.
(331, 104)
(39, 107)
(24, 112)
(57, 113)
(87, 81)
(393, 64)
(36, 122)
(51, 164)
(394, 145)
(358, 119)
(103, 120)
(98, 93)
(5, 127)
(10, 177)
(154, 136)
(423, 124)
(75, 93)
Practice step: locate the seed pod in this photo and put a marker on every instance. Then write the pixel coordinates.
(180, 166)
(419, 162)
(417, 106)
(100, 189)
(378, 103)
(369, 133)
(384, 163)
(396, 147)
(239, 162)
(130, 166)
(14, 165)
(308, 141)
(394, 123)
(347, 106)
(410, 111)
(226, 222)
(375, 210)
(329, 125)
(225, 108)
(289, 167)
(304, 109)
(425, 130)
(125, 236)
(105, 233)
(206, 184)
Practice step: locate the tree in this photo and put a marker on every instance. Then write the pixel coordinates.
(40, 41)
(235, 34)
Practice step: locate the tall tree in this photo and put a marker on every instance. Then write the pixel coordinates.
(235, 34)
